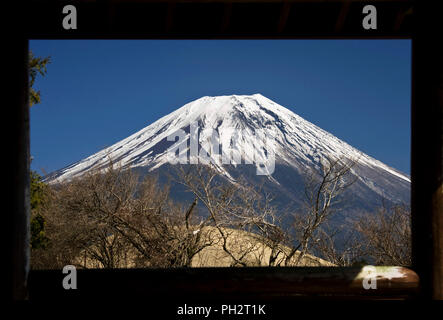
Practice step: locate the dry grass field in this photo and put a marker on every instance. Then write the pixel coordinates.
(240, 243)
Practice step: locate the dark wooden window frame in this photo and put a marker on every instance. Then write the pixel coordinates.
(252, 283)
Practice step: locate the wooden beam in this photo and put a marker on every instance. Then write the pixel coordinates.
(284, 14)
(427, 149)
(401, 17)
(342, 16)
(18, 207)
(226, 20)
(215, 283)
(254, 1)
(170, 17)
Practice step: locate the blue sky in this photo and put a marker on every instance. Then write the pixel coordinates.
(97, 92)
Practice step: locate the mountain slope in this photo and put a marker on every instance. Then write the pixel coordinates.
(263, 130)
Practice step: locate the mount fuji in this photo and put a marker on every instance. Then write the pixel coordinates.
(298, 145)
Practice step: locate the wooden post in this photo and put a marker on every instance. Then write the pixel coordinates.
(426, 149)
(17, 157)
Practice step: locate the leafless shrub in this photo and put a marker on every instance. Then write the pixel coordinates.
(387, 235)
(111, 218)
(349, 251)
(100, 218)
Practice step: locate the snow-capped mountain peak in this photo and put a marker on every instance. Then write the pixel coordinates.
(296, 143)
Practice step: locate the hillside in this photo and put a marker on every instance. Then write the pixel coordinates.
(215, 256)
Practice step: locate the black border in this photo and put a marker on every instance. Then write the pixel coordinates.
(419, 21)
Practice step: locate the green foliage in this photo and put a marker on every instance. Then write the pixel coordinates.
(38, 235)
(38, 197)
(38, 191)
(37, 66)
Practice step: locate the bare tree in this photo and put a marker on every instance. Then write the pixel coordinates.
(322, 196)
(231, 206)
(347, 251)
(112, 218)
(64, 241)
(80, 217)
(274, 238)
(98, 219)
(387, 235)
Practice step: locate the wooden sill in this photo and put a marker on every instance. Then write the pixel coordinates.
(210, 284)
